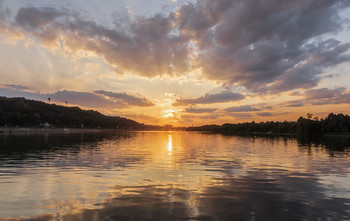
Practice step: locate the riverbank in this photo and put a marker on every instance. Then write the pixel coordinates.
(27, 130)
(280, 134)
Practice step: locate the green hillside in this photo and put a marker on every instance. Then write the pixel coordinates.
(30, 113)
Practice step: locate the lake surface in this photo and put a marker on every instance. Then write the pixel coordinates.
(173, 176)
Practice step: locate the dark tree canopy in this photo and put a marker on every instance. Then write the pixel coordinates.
(333, 123)
(31, 113)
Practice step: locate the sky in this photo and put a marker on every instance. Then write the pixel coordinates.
(180, 62)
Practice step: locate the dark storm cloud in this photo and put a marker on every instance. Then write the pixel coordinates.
(126, 98)
(269, 46)
(222, 97)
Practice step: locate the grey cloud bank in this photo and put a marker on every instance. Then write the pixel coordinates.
(265, 46)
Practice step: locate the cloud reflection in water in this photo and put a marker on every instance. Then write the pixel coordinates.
(179, 176)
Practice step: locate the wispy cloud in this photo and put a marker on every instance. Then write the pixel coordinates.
(126, 98)
(86, 99)
(221, 97)
(98, 99)
(322, 96)
(14, 87)
(199, 110)
(145, 47)
(246, 108)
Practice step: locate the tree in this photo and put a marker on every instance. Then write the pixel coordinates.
(49, 99)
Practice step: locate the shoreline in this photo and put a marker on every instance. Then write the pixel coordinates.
(29, 130)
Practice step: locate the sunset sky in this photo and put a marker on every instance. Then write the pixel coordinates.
(180, 62)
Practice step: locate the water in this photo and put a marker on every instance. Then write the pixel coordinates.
(173, 176)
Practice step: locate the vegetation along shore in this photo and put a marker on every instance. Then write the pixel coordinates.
(23, 115)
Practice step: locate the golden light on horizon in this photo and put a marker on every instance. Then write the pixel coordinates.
(169, 113)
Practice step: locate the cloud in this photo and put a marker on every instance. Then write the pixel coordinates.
(221, 97)
(126, 98)
(14, 87)
(237, 112)
(189, 118)
(5, 27)
(86, 99)
(265, 114)
(32, 17)
(306, 73)
(241, 116)
(264, 46)
(336, 96)
(17, 92)
(323, 93)
(246, 108)
(145, 47)
(294, 103)
(321, 96)
(199, 110)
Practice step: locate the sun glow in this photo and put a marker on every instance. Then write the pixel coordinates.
(169, 113)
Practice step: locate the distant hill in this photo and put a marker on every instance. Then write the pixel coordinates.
(30, 113)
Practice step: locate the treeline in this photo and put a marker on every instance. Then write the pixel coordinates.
(262, 127)
(30, 113)
(333, 123)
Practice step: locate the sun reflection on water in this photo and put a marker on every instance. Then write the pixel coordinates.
(169, 173)
(170, 142)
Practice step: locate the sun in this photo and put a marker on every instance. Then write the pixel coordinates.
(169, 113)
